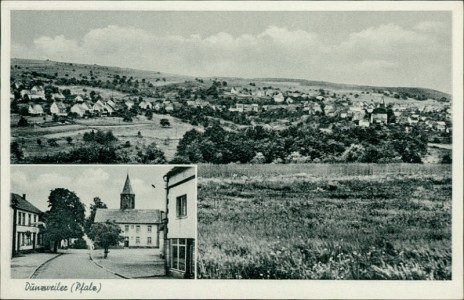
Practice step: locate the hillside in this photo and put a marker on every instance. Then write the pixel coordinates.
(159, 79)
(429, 93)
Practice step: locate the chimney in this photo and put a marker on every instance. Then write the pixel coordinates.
(24, 196)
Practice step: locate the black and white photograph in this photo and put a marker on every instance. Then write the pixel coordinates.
(264, 149)
(86, 222)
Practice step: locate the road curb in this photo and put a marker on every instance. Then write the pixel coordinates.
(107, 270)
(42, 264)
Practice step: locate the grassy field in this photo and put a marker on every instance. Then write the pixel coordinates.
(308, 225)
(150, 131)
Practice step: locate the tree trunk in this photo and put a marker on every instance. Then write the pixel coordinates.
(106, 253)
(55, 246)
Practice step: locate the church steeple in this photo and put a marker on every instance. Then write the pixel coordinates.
(127, 195)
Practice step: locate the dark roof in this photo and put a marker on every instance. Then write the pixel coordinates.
(127, 187)
(150, 216)
(23, 204)
(176, 170)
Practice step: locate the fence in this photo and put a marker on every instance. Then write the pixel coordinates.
(342, 169)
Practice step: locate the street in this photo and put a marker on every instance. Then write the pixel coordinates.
(73, 265)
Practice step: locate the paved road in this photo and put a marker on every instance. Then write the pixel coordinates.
(73, 266)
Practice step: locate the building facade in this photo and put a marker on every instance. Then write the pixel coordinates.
(180, 222)
(140, 227)
(27, 226)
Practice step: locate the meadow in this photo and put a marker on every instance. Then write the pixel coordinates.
(151, 131)
(325, 222)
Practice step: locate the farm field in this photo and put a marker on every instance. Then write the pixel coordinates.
(151, 131)
(325, 222)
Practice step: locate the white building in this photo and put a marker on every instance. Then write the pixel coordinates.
(26, 225)
(140, 227)
(181, 221)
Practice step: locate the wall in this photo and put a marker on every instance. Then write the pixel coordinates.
(143, 234)
(182, 227)
(22, 229)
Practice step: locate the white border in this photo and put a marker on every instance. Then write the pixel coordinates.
(253, 288)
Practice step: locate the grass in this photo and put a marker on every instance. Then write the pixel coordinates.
(151, 131)
(311, 227)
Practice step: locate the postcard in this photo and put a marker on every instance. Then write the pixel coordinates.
(232, 149)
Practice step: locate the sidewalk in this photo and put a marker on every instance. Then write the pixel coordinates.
(131, 263)
(22, 267)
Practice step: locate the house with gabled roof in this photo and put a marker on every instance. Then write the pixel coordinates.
(35, 110)
(58, 109)
(145, 105)
(27, 229)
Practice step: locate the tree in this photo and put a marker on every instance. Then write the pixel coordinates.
(39, 142)
(149, 114)
(23, 122)
(16, 150)
(69, 139)
(65, 217)
(165, 123)
(105, 235)
(97, 203)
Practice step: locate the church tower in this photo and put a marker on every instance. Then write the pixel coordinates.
(127, 196)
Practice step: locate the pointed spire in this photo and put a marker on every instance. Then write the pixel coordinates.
(127, 186)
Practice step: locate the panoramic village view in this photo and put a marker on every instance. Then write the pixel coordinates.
(297, 178)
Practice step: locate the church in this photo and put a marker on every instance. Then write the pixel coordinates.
(140, 227)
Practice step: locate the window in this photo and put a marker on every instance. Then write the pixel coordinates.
(126, 227)
(179, 254)
(35, 218)
(137, 228)
(137, 240)
(24, 219)
(19, 218)
(29, 219)
(149, 240)
(149, 228)
(181, 206)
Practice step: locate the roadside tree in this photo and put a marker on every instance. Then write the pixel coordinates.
(106, 235)
(65, 217)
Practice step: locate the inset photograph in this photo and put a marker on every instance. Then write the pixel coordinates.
(103, 222)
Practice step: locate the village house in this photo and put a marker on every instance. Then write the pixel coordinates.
(363, 123)
(81, 108)
(58, 109)
(379, 115)
(279, 98)
(37, 92)
(58, 97)
(35, 110)
(27, 226)
(181, 221)
(129, 104)
(145, 105)
(140, 227)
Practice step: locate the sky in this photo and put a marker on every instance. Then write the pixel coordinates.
(87, 182)
(396, 48)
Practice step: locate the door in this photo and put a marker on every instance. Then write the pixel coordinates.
(126, 242)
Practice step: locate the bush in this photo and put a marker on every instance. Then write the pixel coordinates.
(53, 142)
(79, 244)
(23, 122)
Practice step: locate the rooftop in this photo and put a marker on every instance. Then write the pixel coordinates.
(136, 216)
(23, 204)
